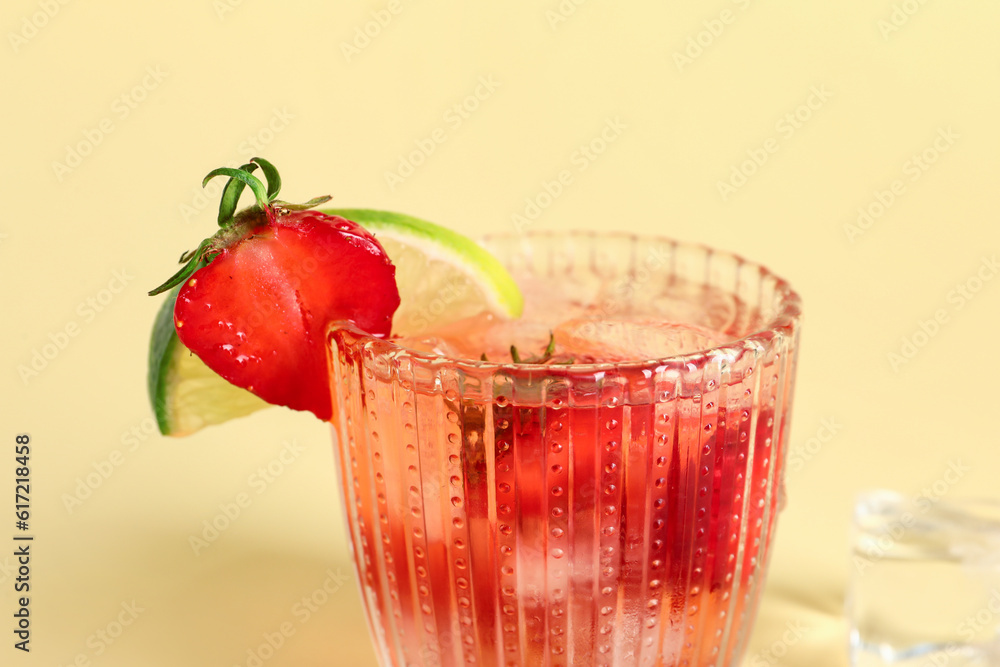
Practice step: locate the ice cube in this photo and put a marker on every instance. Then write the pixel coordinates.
(494, 336)
(552, 301)
(684, 302)
(429, 344)
(472, 337)
(632, 340)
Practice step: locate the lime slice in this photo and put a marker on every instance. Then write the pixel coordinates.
(442, 277)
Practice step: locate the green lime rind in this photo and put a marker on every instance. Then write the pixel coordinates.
(497, 283)
(162, 345)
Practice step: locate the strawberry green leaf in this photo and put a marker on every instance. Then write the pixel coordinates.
(194, 263)
(231, 196)
(258, 188)
(271, 174)
(315, 201)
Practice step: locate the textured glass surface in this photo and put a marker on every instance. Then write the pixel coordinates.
(605, 514)
(925, 579)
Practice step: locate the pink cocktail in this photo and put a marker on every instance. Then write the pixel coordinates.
(610, 504)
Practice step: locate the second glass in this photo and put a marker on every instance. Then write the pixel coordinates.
(584, 514)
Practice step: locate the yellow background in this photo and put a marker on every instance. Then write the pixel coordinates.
(158, 94)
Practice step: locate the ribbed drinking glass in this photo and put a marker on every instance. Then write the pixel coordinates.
(611, 513)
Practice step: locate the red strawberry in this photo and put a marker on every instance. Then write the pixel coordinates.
(276, 276)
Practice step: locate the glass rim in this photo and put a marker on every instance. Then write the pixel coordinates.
(784, 321)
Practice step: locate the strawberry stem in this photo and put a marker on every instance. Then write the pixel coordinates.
(237, 181)
(230, 221)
